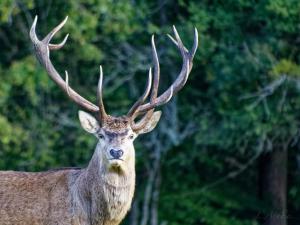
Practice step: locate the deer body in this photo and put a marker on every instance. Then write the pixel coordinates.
(90, 196)
(33, 198)
(100, 194)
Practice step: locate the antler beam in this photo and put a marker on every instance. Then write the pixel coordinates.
(42, 49)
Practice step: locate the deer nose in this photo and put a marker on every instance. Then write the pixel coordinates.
(116, 153)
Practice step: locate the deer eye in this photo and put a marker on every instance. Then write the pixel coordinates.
(131, 136)
(101, 136)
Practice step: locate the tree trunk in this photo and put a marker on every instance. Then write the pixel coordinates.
(273, 186)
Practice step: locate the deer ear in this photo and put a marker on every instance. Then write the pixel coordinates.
(151, 123)
(88, 122)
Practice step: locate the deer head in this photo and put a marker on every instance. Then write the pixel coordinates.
(116, 134)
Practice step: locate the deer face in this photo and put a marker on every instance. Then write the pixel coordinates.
(115, 139)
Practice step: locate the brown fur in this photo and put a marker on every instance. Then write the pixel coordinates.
(115, 123)
(34, 198)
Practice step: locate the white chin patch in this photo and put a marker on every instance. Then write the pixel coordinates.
(115, 165)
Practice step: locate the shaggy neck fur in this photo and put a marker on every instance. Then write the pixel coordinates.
(100, 196)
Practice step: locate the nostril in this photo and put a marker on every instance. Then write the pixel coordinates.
(116, 154)
(120, 153)
(113, 153)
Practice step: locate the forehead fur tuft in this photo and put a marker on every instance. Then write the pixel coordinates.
(116, 123)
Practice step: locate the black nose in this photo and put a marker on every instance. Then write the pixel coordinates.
(116, 153)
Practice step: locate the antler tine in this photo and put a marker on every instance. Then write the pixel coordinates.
(144, 120)
(180, 81)
(42, 50)
(67, 82)
(60, 45)
(195, 44)
(175, 42)
(32, 32)
(50, 35)
(156, 70)
(179, 42)
(99, 96)
(135, 126)
(132, 112)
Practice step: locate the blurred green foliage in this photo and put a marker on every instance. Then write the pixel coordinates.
(242, 95)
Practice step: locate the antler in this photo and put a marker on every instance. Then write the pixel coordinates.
(101, 110)
(133, 112)
(178, 84)
(42, 49)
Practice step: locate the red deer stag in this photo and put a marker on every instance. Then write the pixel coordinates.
(102, 192)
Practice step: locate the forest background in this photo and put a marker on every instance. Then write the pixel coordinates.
(226, 151)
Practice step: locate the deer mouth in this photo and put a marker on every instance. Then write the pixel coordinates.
(114, 159)
(115, 163)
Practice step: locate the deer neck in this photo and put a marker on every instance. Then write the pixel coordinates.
(105, 195)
